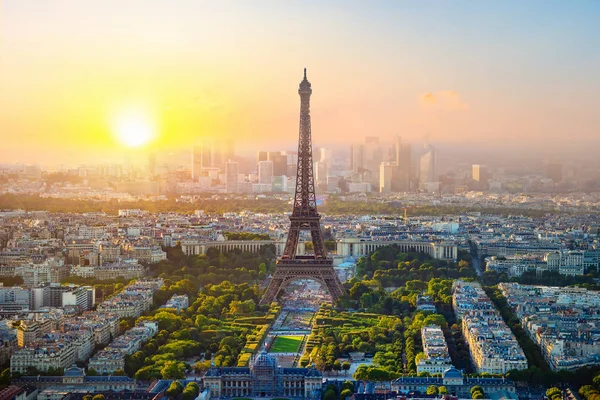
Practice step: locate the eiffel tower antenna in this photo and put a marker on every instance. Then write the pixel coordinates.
(317, 266)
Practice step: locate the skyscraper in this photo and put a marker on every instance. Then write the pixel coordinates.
(265, 172)
(403, 173)
(386, 176)
(372, 157)
(357, 155)
(261, 156)
(279, 161)
(327, 159)
(428, 166)
(320, 169)
(201, 158)
(480, 176)
(196, 162)
(231, 177)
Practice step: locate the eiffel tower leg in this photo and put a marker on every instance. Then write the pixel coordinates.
(272, 290)
(291, 244)
(333, 284)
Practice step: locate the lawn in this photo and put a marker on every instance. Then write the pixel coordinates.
(286, 344)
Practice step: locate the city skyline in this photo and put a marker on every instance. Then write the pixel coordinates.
(76, 74)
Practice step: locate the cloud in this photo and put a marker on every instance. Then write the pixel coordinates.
(443, 99)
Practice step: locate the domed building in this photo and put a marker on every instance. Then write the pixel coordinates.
(264, 378)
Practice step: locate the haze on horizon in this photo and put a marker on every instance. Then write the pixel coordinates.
(510, 74)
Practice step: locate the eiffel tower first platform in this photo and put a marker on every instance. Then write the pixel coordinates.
(318, 266)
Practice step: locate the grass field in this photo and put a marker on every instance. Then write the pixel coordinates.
(286, 344)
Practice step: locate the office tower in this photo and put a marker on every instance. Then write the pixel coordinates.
(403, 173)
(201, 158)
(327, 159)
(553, 171)
(280, 162)
(220, 152)
(326, 155)
(231, 177)
(366, 160)
(386, 176)
(358, 160)
(372, 156)
(196, 162)
(265, 172)
(428, 166)
(320, 169)
(480, 176)
(397, 149)
(262, 156)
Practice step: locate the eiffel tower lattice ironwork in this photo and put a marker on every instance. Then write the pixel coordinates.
(317, 266)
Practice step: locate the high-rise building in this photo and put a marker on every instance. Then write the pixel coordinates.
(262, 156)
(357, 158)
(280, 162)
(372, 157)
(201, 158)
(403, 173)
(220, 152)
(326, 158)
(231, 177)
(386, 176)
(265, 172)
(279, 159)
(320, 170)
(480, 176)
(428, 166)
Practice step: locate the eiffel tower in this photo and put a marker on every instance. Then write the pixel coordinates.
(317, 266)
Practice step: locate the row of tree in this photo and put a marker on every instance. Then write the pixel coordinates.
(335, 205)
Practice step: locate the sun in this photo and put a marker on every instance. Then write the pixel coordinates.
(134, 129)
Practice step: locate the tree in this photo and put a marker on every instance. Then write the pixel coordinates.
(174, 390)
(337, 366)
(124, 325)
(173, 370)
(330, 395)
(88, 397)
(442, 390)
(346, 367)
(477, 392)
(99, 397)
(361, 373)
(587, 390)
(348, 385)
(554, 393)
(344, 394)
(194, 387)
(432, 389)
(420, 356)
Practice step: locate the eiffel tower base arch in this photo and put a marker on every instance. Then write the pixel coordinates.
(287, 271)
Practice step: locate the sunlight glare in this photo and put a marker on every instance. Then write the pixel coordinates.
(134, 129)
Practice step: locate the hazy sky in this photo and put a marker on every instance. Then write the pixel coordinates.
(478, 72)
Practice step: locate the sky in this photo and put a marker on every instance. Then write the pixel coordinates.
(510, 74)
